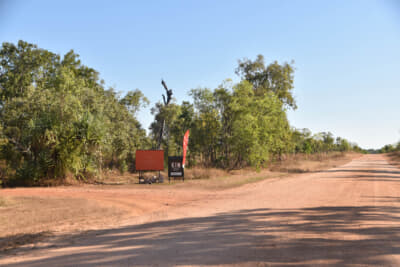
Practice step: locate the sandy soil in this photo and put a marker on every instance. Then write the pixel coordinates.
(346, 216)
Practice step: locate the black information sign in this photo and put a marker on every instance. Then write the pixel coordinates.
(175, 168)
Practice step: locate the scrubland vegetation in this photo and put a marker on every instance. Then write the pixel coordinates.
(58, 120)
(389, 148)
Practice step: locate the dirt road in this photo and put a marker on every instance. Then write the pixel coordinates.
(347, 216)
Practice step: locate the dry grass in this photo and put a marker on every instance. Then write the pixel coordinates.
(216, 179)
(302, 163)
(114, 177)
(299, 163)
(203, 173)
(213, 178)
(231, 180)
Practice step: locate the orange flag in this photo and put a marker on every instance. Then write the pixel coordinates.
(185, 144)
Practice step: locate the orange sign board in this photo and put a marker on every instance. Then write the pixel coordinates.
(149, 160)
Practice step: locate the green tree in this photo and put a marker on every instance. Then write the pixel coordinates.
(274, 78)
(57, 118)
(167, 115)
(206, 125)
(134, 101)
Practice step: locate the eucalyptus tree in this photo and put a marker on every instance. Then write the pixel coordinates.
(58, 119)
(276, 78)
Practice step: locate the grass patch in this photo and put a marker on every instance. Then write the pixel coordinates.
(303, 163)
(291, 164)
(217, 179)
(229, 180)
(204, 173)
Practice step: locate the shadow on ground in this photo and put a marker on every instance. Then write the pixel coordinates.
(322, 235)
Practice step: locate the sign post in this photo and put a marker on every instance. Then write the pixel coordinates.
(149, 160)
(175, 168)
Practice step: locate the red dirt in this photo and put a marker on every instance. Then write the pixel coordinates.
(346, 216)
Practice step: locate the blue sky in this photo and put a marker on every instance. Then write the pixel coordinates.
(346, 53)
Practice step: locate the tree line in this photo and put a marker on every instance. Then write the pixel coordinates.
(243, 124)
(58, 119)
(386, 149)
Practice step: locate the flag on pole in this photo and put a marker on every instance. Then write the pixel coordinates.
(185, 144)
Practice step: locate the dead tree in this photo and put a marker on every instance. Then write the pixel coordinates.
(166, 102)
